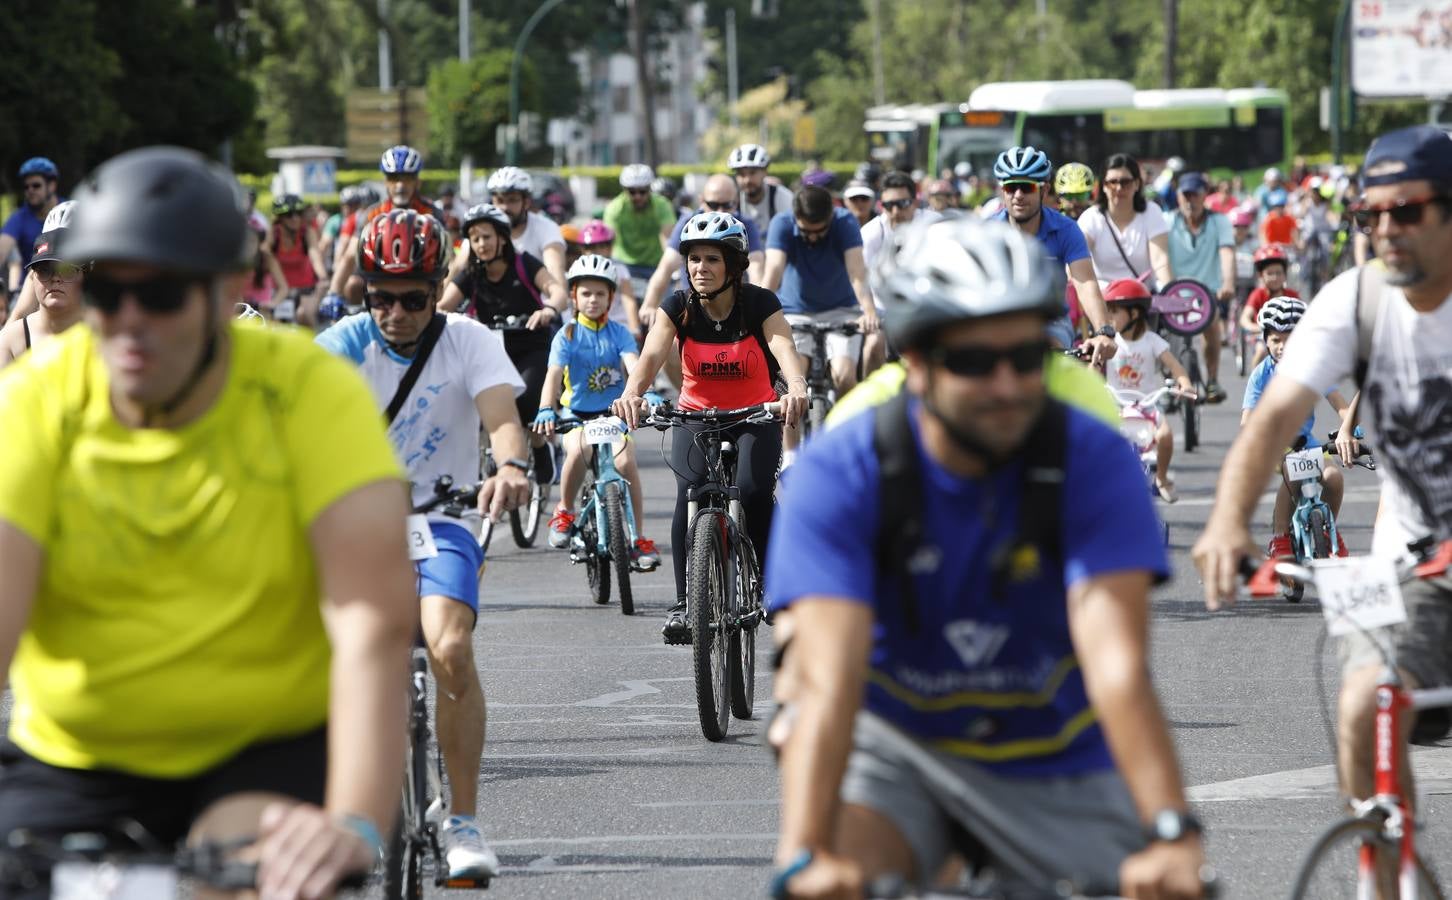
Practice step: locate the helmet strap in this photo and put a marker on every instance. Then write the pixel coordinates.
(151, 415)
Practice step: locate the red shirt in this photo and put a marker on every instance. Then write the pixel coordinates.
(351, 224)
(1278, 228)
(1260, 295)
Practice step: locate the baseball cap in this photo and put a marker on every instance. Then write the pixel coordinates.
(1193, 182)
(47, 248)
(1422, 152)
(858, 189)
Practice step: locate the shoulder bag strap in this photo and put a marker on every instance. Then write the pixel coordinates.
(524, 277)
(426, 343)
(1120, 247)
(1370, 291)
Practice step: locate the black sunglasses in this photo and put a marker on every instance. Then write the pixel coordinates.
(977, 362)
(891, 205)
(1405, 213)
(719, 205)
(637, 192)
(413, 301)
(34, 185)
(1021, 187)
(162, 294)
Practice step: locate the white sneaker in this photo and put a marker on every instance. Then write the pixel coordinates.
(465, 851)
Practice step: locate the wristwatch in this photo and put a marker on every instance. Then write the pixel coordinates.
(1169, 825)
(520, 464)
(1106, 330)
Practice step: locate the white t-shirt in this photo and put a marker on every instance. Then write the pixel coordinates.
(877, 232)
(1100, 232)
(437, 430)
(1136, 367)
(539, 232)
(1406, 401)
(774, 199)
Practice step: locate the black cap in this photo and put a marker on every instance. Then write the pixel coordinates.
(47, 247)
(1419, 153)
(162, 206)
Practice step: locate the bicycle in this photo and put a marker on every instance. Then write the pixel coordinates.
(1382, 822)
(415, 838)
(607, 530)
(723, 580)
(820, 389)
(1139, 423)
(1313, 527)
(1184, 309)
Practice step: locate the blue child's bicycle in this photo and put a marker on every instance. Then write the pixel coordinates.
(605, 529)
(1313, 527)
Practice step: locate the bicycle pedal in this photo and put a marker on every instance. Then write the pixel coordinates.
(466, 884)
(681, 638)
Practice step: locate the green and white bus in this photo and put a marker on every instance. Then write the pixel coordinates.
(1242, 130)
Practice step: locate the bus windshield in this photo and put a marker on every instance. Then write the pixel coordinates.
(1212, 138)
(976, 145)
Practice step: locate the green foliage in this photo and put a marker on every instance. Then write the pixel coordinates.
(468, 102)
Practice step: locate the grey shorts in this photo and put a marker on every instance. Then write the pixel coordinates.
(1034, 830)
(1423, 642)
(839, 346)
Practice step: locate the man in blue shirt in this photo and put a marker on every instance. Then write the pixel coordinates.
(1202, 247)
(966, 708)
(815, 266)
(38, 177)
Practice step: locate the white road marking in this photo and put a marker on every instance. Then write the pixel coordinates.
(1433, 770)
(664, 840)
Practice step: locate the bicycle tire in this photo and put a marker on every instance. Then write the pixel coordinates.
(1320, 533)
(403, 858)
(817, 409)
(597, 567)
(1328, 870)
(619, 549)
(742, 646)
(526, 526)
(706, 597)
(1190, 409)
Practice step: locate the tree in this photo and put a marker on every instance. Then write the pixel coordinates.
(468, 102)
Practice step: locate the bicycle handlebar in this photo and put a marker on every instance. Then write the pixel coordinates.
(1425, 559)
(509, 323)
(455, 502)
(848, 328)
(663, 417)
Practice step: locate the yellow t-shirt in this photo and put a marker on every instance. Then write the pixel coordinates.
(1066, 381)
(178, 617)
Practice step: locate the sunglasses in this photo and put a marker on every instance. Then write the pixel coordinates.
(719, 205)
(163, 294)
(1120, 182)
(891, 205)
(813, 232)
(34, 185)
(63, 271)
(637, 192)
(1021, 187)
(413, 301)
(978, 362)
(1083, 197)
(1405, 213)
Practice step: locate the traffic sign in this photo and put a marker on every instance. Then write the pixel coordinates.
(376, 120)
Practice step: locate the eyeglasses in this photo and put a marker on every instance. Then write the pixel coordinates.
(1405, 213)
(1120, 182)
(1020, 187)
(813, 232)
(413, 301)
(978, 362)
(35, 185)
(63, 271)
(891, 205)
(719, 205)
(162, 294)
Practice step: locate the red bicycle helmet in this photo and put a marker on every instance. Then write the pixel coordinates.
(401, 245)
(1271, 253)
(1128, 291)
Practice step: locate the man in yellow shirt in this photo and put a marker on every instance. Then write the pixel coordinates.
(188, 562)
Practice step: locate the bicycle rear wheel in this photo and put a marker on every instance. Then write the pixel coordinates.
(1331, 870)
(524, 522)
(619, 545)
(706, 597)
(746, 601)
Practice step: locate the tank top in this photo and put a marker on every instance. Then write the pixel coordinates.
(297, 268)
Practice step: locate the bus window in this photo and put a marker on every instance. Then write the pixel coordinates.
(978, 147)
(1264, 145)
(1068, 137)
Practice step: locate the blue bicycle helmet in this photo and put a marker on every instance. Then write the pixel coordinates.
(332, 309)
(1023, 164)
(39, 165)
(401, 160)
(718, 228)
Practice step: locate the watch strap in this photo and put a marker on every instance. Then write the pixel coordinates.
(520, 464)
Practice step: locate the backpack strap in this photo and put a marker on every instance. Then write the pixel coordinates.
(1039, 535)
(524, 279)
(1370, 292)
(900, 496)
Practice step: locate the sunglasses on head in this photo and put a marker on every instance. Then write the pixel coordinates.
(891, 205)
(1021, 187)
(413, 301)
(1405, 213)
(719, 205)
(977, 362)
(162, 294)
(63, 271)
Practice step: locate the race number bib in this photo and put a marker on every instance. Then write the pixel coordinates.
(1305, 465)
(420, 538)
(609, 430)
(1358, 593)
(93, 881)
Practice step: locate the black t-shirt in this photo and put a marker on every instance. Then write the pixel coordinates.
(754, 305)
(509, 296)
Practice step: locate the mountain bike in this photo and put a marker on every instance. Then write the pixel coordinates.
(606, 530)
(723, 579)
(821, 392)
(413, 846)
(1185, 308)
(1344, 860)
(1313, 527)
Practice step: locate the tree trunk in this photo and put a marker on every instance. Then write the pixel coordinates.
(641, 48)
(1172, 39)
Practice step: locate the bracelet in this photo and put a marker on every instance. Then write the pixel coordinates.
(801, 378)
(785, 874)
(365, 829)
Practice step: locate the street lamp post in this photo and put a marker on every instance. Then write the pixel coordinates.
(512, 156)
(1338, 68)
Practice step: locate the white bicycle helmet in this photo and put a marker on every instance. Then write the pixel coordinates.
(510, 178)
(59, 217)
(714, 228)
(955, 270)
(748, 156)
(636, 176)
(1281, 314)
(485, 212)
(1022, 164)
(593, 266)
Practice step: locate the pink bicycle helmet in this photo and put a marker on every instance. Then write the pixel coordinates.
(596, 232)
(1242, 218)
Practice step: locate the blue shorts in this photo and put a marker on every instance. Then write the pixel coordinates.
(1062, 330)
(454, 573)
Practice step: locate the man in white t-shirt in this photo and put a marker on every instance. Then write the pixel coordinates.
(1406, 380)
(534, 233)
(760, 201)
(899, 207)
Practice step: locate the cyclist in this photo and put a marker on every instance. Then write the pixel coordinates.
(720, 326)
(1022, 173)
(899, 208)
(220, 511)
(869, 173)
(498, 279)
(1278, 318)
(350, 200)
(667, 188)
(1136, 367)
(859, 197)
(1271, 265)
(400, 166)
(512, 190)
(571, 235)
(589, 361)
(718, 195)
(760, 201)
(38, 178)
(942, 197)
(295, 247)
(1278, 226)
(944, 743)
(466, 380)
(1202, 247)
(1405, 383)
(1126, 233)
(1272, 187)
(56, 281)
(642, 222)
(598, 238)
(1074, 186)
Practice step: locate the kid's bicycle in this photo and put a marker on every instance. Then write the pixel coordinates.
(1185, 308)
(1313, 527)
(605, 529)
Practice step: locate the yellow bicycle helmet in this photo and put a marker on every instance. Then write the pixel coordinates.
(1074, 178)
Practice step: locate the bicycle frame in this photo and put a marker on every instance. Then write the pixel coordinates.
(1308, 498)
(603, 473)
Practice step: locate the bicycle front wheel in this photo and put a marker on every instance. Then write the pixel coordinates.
(403, 857)
(524, 522)
(619, 545)
(745, 603)
(706, 598)
(1334, 868)
(1320, 533)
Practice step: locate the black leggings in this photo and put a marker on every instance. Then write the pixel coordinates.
(758, 450)
(533, 361)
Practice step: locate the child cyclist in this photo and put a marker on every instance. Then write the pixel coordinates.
(1136, 367)
(1272, 263)
(1278, 318)
(598, 238)
(595, 355)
